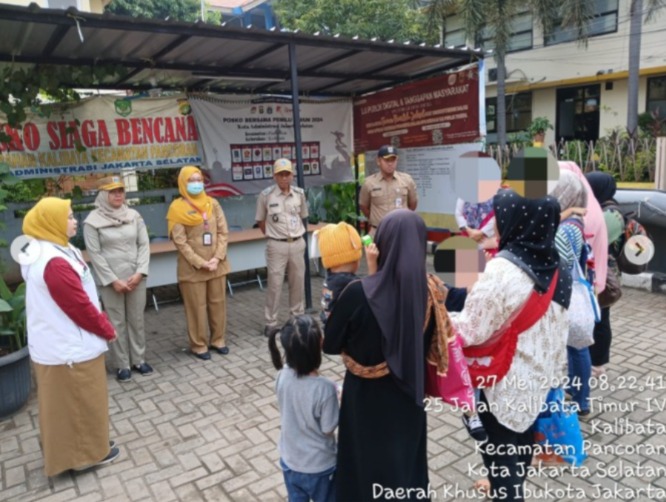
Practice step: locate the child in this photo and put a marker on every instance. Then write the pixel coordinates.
(340, 248)
(308, 412)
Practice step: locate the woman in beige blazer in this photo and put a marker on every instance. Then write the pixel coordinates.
(119, 249)
(198, 228)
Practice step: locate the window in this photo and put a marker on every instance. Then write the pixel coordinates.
(521, 34)
(656, 96)
(454, 32)
(518, 112)
(63, 4)
(455, 38)
(578, 112)
(604, 20)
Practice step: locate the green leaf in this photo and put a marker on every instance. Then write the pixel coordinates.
(5, 306)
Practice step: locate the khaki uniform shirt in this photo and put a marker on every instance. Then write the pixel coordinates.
(117, 253)
(382, 196)
(192, 254)
(283, 213)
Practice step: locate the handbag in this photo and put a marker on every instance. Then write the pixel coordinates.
(455, 387)
(583, 311)
(446, 373)
(557, 431)
(613, 291)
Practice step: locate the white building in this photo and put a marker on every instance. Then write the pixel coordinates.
(582, 90)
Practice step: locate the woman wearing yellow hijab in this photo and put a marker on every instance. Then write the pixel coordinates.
(198, 228)
(67, 336)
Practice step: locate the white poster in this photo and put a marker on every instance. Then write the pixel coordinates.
(434, 170)
(243, 136)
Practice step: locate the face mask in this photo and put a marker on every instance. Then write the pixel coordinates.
(195, 187)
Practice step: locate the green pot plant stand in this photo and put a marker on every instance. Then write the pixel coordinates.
(15, 380)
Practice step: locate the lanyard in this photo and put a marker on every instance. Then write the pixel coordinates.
(66, 252)
(203, 214)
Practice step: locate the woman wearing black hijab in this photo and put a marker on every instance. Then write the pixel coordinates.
(604, 187)
(527, 261)
(377, 324)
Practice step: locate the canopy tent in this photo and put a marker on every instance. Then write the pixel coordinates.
(201, 57)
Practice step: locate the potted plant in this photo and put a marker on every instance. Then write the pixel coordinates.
(15, 380)
(538, 129)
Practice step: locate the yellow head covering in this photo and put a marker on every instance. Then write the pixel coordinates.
(189, 208)
(47, 221)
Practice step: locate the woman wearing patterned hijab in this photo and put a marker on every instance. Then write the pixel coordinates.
(377, 324)
(595, 228)
(527, 261)
(569, 241)
(67, 336)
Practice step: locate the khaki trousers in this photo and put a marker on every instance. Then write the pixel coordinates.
(281, 256)
(205, 307)
(126, 312)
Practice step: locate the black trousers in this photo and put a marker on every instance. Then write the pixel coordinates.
(600, 351)
(506, 472)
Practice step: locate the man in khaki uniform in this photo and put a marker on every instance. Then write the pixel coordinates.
(281, 209)
(386, 190)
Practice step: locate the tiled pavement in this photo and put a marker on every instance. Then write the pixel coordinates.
(208, 430)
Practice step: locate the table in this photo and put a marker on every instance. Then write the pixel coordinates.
(246, 250)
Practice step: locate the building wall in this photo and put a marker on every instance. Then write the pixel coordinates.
(541, 70)
(607, 53)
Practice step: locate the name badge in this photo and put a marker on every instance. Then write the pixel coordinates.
(398, 202)
(293, 222)
(207, 239)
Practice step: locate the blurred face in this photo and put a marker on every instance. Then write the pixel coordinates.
(72, 225)
(387, 166)
(116, 197)
(283, 180)
(195, 177)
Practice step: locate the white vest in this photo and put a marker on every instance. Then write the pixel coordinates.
(53, 338)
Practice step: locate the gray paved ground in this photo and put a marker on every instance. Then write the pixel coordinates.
(208, 430)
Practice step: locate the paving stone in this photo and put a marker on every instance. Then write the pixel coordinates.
(209, 431)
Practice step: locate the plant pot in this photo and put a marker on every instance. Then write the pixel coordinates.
(15, 381)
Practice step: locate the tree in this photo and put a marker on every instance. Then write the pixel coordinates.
(495, 17)
(177, 10)
(636, 13)
(384, 19)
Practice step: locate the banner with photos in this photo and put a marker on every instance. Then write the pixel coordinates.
(102, 134)
(242, 137)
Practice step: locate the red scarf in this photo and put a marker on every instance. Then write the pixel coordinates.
(500, 348)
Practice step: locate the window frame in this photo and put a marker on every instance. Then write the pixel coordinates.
(509, 100)
(482, 40)
(547, 37)
(661, 117)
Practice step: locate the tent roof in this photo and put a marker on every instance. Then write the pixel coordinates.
(203, 57)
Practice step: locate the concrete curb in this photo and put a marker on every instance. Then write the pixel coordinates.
(654, 282)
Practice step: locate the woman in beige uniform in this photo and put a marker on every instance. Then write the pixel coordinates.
(119, 249)
(198, 228)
